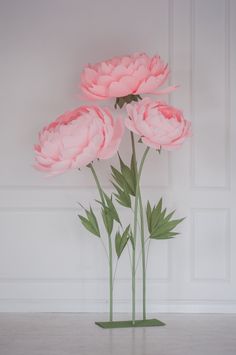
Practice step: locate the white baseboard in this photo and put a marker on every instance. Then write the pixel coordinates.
(76, 305)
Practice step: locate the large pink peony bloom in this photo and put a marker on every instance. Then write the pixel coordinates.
(77, 138)
(158, 124)
(121, 76)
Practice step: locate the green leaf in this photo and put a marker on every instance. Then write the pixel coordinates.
(129, 176)
(131, 238)
(117, 243)
(169, 226)
(107, 220)
(168, 217)
(92, 218)
(160, 225)
(158, 219)
(89, 225)
(126, 177)
(121, 241)
(158, 208)
(112, 208)
(123, 199)
(108, 203)
(169, 235)
(120, 180)
(149, 215)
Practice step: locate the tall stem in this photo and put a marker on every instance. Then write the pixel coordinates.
(143, 251)
(134, 232)
(142, 231)
(138, 202)
(100, 190)
(110, 279)
(97, 182)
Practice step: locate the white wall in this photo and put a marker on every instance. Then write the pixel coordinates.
(47, 260)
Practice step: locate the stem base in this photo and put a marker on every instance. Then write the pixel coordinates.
(129, 324)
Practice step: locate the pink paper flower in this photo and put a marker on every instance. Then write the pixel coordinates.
(158, 124)
(121, 76)
(77, 138)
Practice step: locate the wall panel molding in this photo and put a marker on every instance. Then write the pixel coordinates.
(227, 245)
(38, 223)
(97, 305)
(226, 84)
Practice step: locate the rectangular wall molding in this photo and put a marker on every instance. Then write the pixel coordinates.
(210, 101)
(47, 260)
(210, 245)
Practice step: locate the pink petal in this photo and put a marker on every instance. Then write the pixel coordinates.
(118, 89)
(166, 91)
(89, 75)
(111, 148)
(91, 95)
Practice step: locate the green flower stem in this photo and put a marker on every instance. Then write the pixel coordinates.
(138, 203)
(134, 232)
(143, 253)
(142, 231)
(100, 190)
(129, 256)
(148, 247)
(139, 257)
(114, 275)
(110, 279)
(97, 182)
(134, 257)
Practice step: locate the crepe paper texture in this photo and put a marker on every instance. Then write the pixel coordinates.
(86, 134)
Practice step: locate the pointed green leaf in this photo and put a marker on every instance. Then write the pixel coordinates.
(149, 215)
(120, 180)
(107, 220)
(121, 241)
(93, 219)
(129, 176)
(122, 197)
(112, 208)
(168, 217)
(117, 243)
(131, 238)
(158, 208)
(158, 219)
(160, 225)
(169, 235)
(117, 176)
(169, 226)
(87, 224)
(124, 240)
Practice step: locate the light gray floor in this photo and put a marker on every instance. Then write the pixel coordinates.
(76, 334)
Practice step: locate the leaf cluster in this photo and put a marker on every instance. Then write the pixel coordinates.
(124, 181)
(160, 224)
(109, 213)
(121, 240)
(90, 222)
